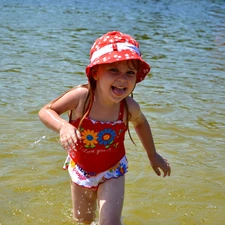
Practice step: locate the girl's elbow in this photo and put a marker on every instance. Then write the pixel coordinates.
(41, 114)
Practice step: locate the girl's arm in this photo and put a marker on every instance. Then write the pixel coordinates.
(50, 116)
(144, 133)
(50, 113)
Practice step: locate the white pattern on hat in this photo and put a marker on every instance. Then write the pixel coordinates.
(109, 48)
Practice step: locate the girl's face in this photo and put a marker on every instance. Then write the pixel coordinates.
(116, 81)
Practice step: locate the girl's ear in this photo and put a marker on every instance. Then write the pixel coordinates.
(95, 76)
(94, 73)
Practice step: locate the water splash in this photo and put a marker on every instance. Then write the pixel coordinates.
(37, 142)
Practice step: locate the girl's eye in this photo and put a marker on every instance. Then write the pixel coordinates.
(131, 72)
(114, 70)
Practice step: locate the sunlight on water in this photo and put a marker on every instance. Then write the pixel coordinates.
(45, 48)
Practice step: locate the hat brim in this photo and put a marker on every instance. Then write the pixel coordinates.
(117, 56)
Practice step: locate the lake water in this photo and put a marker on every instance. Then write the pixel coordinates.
(44, 48)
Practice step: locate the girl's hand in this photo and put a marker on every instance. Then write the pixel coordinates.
(157, 161)
(69, 136)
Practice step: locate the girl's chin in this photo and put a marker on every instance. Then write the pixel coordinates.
(117, 98)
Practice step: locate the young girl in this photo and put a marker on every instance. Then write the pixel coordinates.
(99, 113)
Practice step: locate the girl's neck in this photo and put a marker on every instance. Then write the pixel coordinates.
(103, 100)
(103, 109)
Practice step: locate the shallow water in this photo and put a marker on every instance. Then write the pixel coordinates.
(44, 51)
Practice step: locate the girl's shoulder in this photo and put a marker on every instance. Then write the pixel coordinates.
(133, 107)
(132, 104)
(80, 90)
(70, 100)
(136, 115)
(78, 96)
(77, 93)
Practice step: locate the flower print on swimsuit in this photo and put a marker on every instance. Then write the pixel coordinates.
(121, 170)
(85, 173)
(106, 137)
(114, 167)
(89, 138)
(81, 176)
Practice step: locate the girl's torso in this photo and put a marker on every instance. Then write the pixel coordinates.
(102, 143)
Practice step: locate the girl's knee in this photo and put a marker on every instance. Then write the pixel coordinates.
(84, 204)
(85, 215)
(84, 219)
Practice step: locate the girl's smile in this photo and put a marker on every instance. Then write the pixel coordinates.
(116, 80)
(118, 90)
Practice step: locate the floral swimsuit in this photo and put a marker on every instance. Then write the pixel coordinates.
(100, 154)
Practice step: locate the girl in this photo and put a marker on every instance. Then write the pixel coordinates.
(99, 113)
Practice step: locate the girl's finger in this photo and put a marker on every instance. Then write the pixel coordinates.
(71, 143)
(72, 137)
(65, 145)
(78, 134)
(169, 170)
(166, 170)
(157, 171)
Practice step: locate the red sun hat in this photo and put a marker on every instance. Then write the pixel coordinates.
(113, 47)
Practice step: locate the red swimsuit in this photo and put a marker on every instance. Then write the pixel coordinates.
(102, 143)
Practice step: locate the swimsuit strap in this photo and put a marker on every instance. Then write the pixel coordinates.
(90, 105)
(70, 115)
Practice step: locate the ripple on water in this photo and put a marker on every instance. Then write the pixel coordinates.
(44, 53)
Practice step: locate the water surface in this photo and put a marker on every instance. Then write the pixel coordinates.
(44, 50)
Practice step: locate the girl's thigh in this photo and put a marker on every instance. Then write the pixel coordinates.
(110, 199)
(84, 203)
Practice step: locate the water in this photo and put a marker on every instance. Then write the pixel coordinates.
(44, 50)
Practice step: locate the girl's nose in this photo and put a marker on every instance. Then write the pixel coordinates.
(122, 77)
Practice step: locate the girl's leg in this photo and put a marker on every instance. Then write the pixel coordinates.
(84, 203)
(110, 199)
